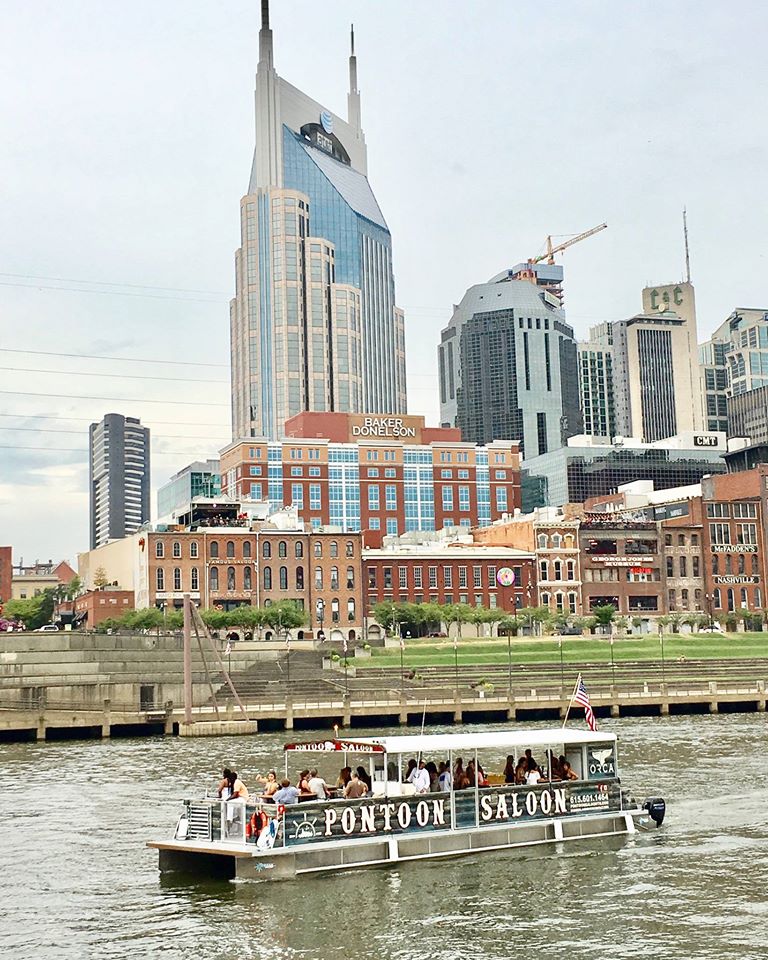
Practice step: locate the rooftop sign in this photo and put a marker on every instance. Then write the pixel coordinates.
(404, 429)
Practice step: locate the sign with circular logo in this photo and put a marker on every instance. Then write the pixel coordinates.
(505, 577)
(326, 121)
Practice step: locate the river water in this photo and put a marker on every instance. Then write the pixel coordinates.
(77, 882)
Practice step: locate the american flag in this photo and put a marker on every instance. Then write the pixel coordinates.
(581, 697)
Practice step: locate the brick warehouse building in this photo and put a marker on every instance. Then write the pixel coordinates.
(379, 475)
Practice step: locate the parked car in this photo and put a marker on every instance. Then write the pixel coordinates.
(47, 628)
(711, 628)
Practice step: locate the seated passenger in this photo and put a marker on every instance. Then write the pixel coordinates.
(471, 773)
(534, 775)
(317, 785)
(431, 768)
(521, 770)
(566, 771)
(482, 780)
(420, 778)
(555, 770)
(286, 794)
(271, 785)
(444, 779)
(355, 788)
(529, 758)
(412, 765)
(509, 770)
(345, 775)
(363, 774)
(304, 782)
(458, 769)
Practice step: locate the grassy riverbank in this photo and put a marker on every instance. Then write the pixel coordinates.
(440, 652)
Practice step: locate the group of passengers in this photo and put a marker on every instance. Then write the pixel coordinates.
(425, 776)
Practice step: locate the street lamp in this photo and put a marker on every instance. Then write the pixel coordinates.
(613, 665)
(320, 611)
(562, 666)
(708, 597)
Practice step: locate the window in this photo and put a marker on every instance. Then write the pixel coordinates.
(193, 548)
(387, 571)
(571, 565)
(246, 549)
(448, 578)
(177, 578)
(477, 577)
(176, 549)
(160, 579)
(267, 578)
(373, 495)
(391, 526)
(558, 566)
(743, 511)
(319, 577)
(746, 532)
(334, 548)
(334, 611)
(501, 499)
(372, 578)
(314, 471)
(681, 539)
(283, 578)
(266, 549)
(462, 474)
(718, 510)
(742, 561)
(500, 474)
(557, 541)
(230, 578)
(696, 565)
(334, 578)
(694, 539)
(349, 549)
(447, 498)
(194, 575)
(317, 548)
(720, 532)
(432, 577)
(282, 549)
(350, 578)
(297, 472)
(464, 499)
(462, 578)
(417, 578)
(214, 579)
(373, 471)
(230, 549)
(572, 602)
(670, 567)
(213, 550)
(716, 599)
(446, 474)
(247, 578)
(667, 539)
(390, 495)
(297, 495)
(299, 578)
(744, 602)
(542, 540)
(543, 570)
(374, 523)
(315, 496)
(402, 578)
(683, 567)
(159, 549)
(491, 576)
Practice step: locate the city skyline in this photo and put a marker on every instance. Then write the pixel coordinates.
(180, 132)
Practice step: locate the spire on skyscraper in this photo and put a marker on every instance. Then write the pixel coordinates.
(353, 97)
(265, 37)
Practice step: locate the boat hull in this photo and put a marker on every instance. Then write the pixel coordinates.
(229, 861)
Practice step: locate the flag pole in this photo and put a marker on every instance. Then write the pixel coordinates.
(570, 702)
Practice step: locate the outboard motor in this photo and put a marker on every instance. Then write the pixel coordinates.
(656, 808)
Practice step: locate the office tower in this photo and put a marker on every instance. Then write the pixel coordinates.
(657, 386)
(313, 323)
(508, 367)
(596, 382)
(198, 479)
(713, 379)
(118, 460)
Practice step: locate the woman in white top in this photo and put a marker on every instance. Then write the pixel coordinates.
(533, 776)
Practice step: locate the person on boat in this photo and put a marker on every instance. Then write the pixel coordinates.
(225, 784)
(345, 775)
(444, 780)
(303, 782)
(420, 778)
(529, 759)
(555, 770)
(363, 774)
(509, 769)
(458, 770)
(412, 765)
(521, 770)
(317, 785)
(355, 788)
(286, 794)
(534, 775)
(432, 771)
(566, 770)
(271, 786)
(482, 780)
(471, 774)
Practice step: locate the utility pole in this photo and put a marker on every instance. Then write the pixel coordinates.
(187, 659)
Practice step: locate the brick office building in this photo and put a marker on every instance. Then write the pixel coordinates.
(379, 475)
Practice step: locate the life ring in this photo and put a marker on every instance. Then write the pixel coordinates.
(259, 820)
(280, 809)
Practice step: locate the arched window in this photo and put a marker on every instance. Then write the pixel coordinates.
(160, 578)
(350, 548)
(266, 549)
(176, 549)
(758, 599)
(230, 578)
(282, 549)
(194, 579)
(247, 582)
(542, 541)
(214, 578)
(742, 563)
(298, 549)
(159, 549)
(267, 578)
(556, 541)
(350, 609)
(334, 548)
(193, 550)
(755, 565)
(571, 569)
(558, 569)
(230, 549)
(559, 602)
(299, 578)
(568, 541)
(544, 570)
(716, 599)
(335, 611)
(350, 578)
(246, 550)
(317, 547)
(744, 601)
(545, 599)
(572, 602)
(731, 599)
(283, 578)
(334, 578)
(318, 578)
(214, 550)
(177, 578)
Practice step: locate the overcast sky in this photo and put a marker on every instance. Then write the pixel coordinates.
(127, 134)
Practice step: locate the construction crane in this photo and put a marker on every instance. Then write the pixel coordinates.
(549, 256)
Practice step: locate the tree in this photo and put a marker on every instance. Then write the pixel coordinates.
(100, 578)
(457, 613)
(675, 620)
(74, 588)
(432, 614)
(621, 624)
(509, 625)
(32, 611)
(480, 616)
(560, 621)
(385, 614)
(533, 615)
(174, 619)
(663, 621)
(284, 615)
(213, 619)
(604, 614)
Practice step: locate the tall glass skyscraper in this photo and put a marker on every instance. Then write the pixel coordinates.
(313, 323)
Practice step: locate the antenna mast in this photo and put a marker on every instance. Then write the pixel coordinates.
(687, 257)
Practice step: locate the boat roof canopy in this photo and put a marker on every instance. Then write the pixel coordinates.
(333, 745)
(442, 743)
